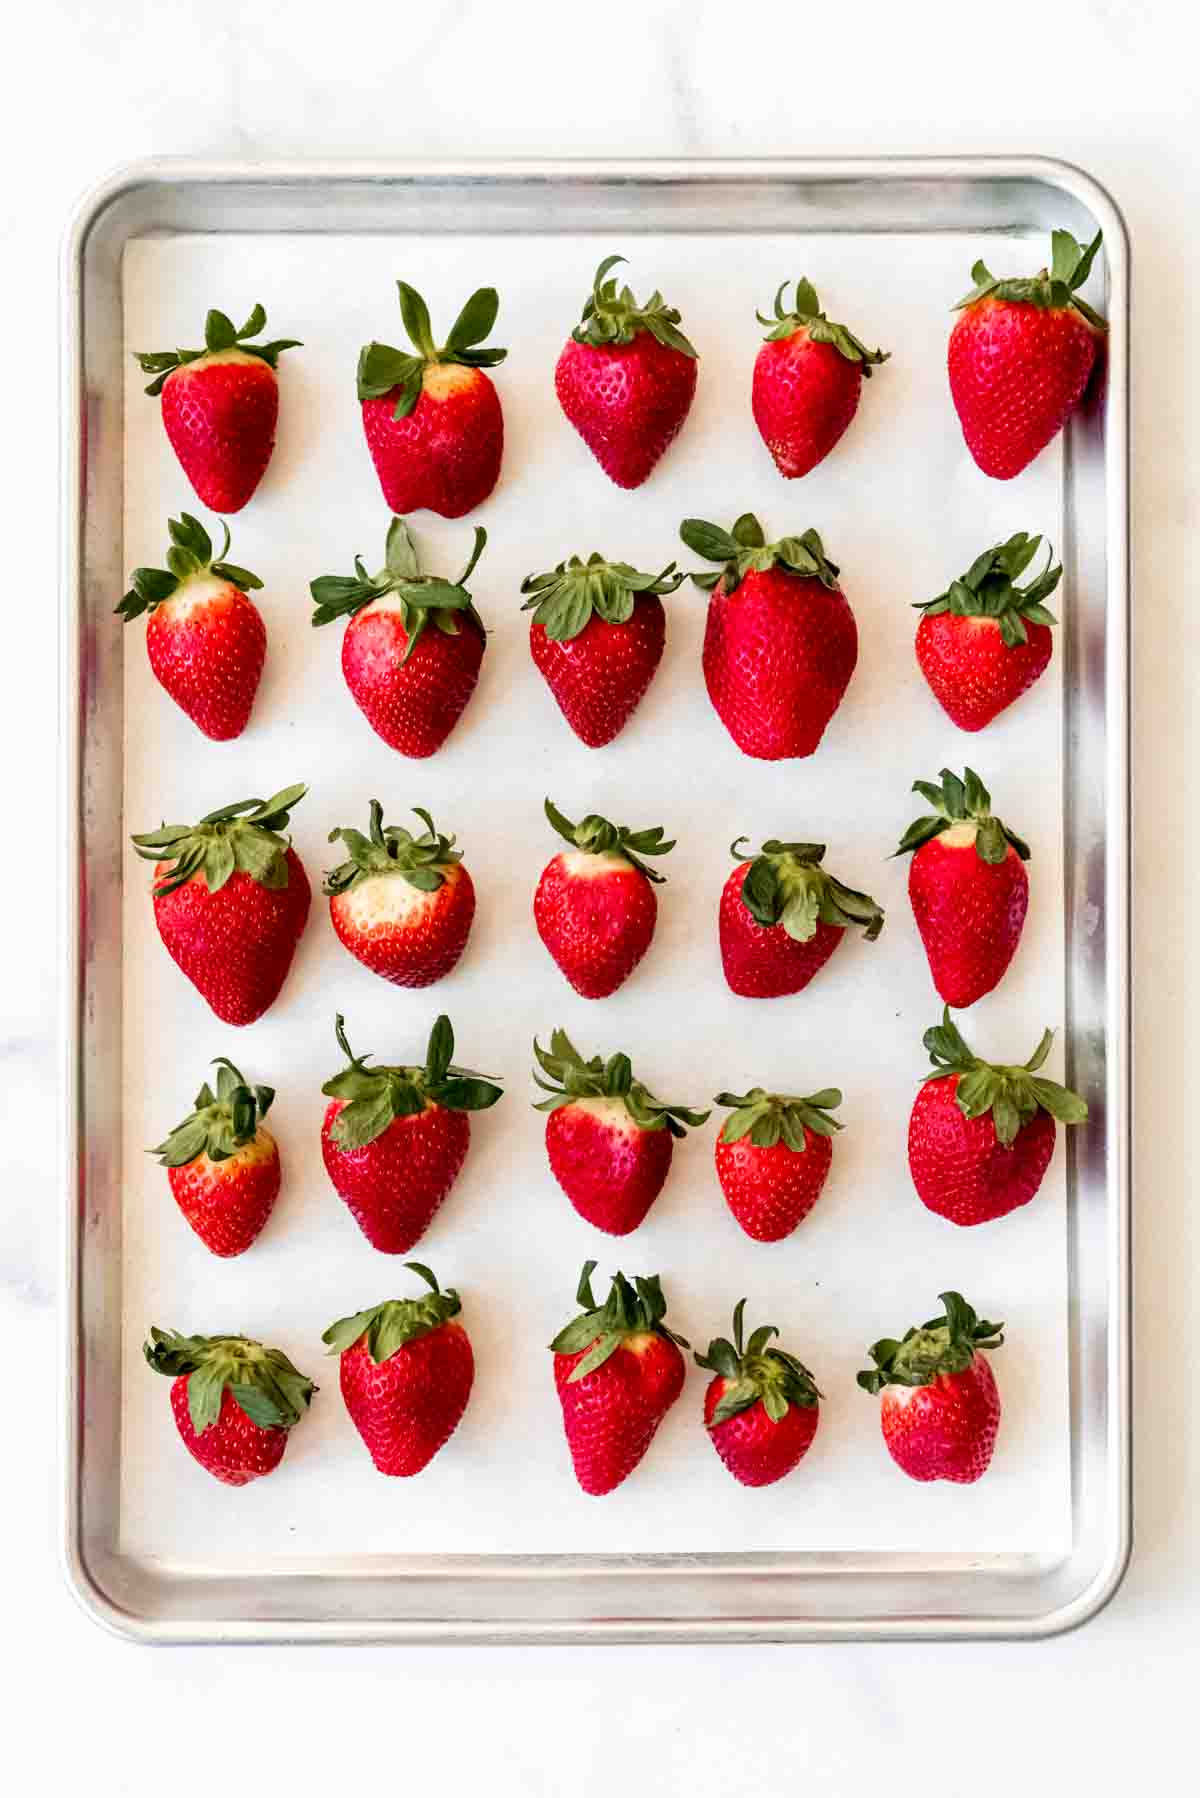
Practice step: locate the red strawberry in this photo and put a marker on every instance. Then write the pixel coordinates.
(782, 915)
(219, 406)
(780, 644)
(773, 1155)
(761, 1408)
(231, 901)
(394, 1138)
(597, 636)
(981, 1134)
(618, 1371)
(234, 1400)
(594, 907)
(433, 421)
(402, 904)
(984, 642)
(1020, 357)
(206, 641)
(223, 1164)
(808, 376)
(413, 646)
(406, 1372)
(626, 378)
(968, 887)
(940, 1409)
(608, 1138)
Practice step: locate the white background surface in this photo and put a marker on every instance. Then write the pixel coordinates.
(1107, 83)
(507, 1236)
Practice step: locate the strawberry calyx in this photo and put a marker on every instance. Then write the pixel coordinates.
(1055, 287)
(786, 884)
(220, 333)
(423, 597)
(381, 368)
(573, 1078)
(804, 314)
(745, 550)
(217, 1126)
(564, 600)
(390, 849)
(375, 1096)
(1013, 1095)
(190, 554)
(944, 1345)
(630, 1310)
(243, 837)
(388, 1326)
(612, 316)
(771, 1118)
(989, 589)
(594, 835)
(957, 802)
(753, 1372)
(262, 1381)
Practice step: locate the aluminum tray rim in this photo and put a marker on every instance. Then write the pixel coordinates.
(80, 1576)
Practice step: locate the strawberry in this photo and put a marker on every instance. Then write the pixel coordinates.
(394, 1138)
(940, 1410)
(220, 405)
(984, 642)
(594, 907)
(618, 1371)
(780, 643)
(231, 901)
(413, 646)
(234, 1401)
(808, 376)
(597, 636)
(608, 1138)
(968, 887)
(781, 917)
(406, 1371)
(223, 1164)
(1021, 356)
(402, 904)
(626, 378)
(206, 641)
(432, 420)
(761, 1407)
(773, 1155)
(981, 1135)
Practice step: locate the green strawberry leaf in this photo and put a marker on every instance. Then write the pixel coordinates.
(1011, 1094)
(945, 1345)
(965, 801)
(612, 316)
(756, 1373)
(630, 1310)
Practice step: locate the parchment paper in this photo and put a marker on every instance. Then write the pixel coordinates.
(902, 508)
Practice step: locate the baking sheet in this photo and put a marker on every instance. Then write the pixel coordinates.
(902, 509)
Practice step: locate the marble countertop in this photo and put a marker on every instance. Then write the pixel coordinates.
(1103, 83)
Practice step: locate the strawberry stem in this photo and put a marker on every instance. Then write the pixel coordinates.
(945, 1345)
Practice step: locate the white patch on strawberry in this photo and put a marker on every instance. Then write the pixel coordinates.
(898, 1398)
(211, 358)
(251, 1154)
(581, 865)
(194, 591)
(959, 836)
(440, 380)
(608, 1111)
(387, 900)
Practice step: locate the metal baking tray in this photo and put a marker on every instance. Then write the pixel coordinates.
(587, 1597)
